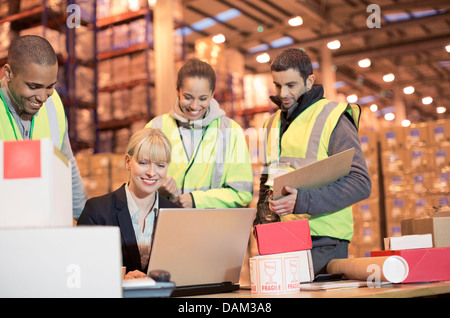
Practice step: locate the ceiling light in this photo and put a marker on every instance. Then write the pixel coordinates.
(263, 58)
(373, 108)
(296, 21)
(408, 90)
(441, 109)
(334, 45)
(352, 98)
(447, 48)
(389, 116)
(388, 77)
(219, 38)
(364, 63)
(406, 123)
(427, 100)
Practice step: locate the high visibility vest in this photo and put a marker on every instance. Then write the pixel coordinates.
(306, 141)
(49, 122)
(222, 146)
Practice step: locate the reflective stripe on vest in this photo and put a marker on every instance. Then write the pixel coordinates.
(49, 122)
(208, 161)
(306, 141)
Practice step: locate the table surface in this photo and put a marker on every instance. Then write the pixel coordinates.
(383, 291)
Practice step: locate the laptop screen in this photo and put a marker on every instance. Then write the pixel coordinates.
(201, 246)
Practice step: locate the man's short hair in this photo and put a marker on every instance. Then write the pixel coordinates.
(293, 58)
(30, 49)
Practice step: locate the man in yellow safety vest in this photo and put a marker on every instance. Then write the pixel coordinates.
(308, 128)
(30, 107)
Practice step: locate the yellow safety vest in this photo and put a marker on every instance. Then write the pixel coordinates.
(305, 141)
(49, 122)
(220, 160)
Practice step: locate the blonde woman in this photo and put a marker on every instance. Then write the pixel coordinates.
(134, 206)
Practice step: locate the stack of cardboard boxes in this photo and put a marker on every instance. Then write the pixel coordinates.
(410, 172)
(425, 245)
(284, 259)
(102, 173)
(416, 171)
(42, 254)
(367, 213)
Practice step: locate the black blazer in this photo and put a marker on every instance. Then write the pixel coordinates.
(112, 209)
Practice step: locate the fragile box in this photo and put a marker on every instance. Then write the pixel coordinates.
(425, 265)
(438, 226)
(36, 185)
(283, 237)
(280, 273)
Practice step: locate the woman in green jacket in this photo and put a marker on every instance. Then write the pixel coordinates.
(210, 165)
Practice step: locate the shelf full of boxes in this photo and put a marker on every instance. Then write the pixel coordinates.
(124, 91)
(73, 46)
(124, 86)
(416, 169)
(410, 172)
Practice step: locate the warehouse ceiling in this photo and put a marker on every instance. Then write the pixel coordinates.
(407, 38)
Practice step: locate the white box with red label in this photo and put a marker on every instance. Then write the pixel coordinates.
(35, 185)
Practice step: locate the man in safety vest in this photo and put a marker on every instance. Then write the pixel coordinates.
(30, 107)
(308, 128)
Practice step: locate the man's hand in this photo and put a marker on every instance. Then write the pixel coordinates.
(169, 188)
(286, 204)
(184, 200)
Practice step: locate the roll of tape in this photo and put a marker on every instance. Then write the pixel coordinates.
(276, 273)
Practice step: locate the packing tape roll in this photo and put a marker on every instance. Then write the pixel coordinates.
(275, 273)
(393, 269)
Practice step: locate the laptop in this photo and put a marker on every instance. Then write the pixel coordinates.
(202, 249)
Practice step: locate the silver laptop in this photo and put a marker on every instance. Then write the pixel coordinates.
(202, 249)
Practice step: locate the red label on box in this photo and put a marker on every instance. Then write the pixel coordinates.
(425, 265)
(22, 159)
(283, 237)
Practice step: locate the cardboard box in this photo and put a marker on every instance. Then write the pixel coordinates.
(408, 242)
(368, 142)
(280, 273)
(392, 138)
(437, 226)
(283, 237)
(36, 185)
(425, 265)
(417, 135)
(83, 261)
(439, 132)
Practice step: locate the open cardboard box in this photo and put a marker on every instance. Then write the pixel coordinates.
(438, 225)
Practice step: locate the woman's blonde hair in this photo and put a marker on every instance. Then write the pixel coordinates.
(150, 144)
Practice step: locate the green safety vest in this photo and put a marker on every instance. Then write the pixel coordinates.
(304, 142)
(220, 160)
(49, 122)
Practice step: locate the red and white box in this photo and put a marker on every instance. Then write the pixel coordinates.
(280, 273)
(35, 185)
(425, 265)
(283, 237)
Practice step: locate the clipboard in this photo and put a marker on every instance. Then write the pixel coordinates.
(317, 174)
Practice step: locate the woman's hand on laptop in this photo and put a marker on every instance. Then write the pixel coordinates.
(135, 274)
